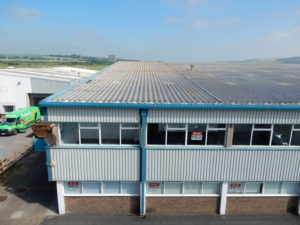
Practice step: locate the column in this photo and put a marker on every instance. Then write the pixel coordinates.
(60, 197)
(223, 200)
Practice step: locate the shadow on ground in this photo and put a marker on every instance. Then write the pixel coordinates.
(28, 180)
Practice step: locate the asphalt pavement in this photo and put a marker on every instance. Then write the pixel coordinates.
(286, 219)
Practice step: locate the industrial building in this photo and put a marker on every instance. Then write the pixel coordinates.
(22, 87)
(166, 138)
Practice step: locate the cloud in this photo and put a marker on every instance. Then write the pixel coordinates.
(200, 23)
(279, 35)
(228, 21)
(172, 19)
(25, 13)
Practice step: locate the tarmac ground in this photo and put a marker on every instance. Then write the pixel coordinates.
(286, 219)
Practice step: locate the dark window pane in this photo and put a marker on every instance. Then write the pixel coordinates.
(261, 137)
(242, 134)
(176, 138)
(297, 126)
(216, 137)
(217, 125)
(156, 134)
(110, 133)
(196, 134)
(89, 136)
(130, 125)
(296, 138)
(262, 126)
(69, 133)
(88, 124)
(130, 137)
(281, 134)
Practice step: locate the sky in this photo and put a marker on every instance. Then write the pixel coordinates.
(153, 30)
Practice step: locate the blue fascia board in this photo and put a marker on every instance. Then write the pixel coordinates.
(46, 103)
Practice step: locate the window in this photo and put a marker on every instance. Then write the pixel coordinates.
(216, 134)
(69, 133)
(176, 134)
(272, 187)
(242, 134)
(182, 188)
(8, 108)
(130, 134)
(89, 133)
(290, 188)
(236, 188)
(130, 188)
(253, 188)
(111, 187)
(173, 188)
(196, 134)
(110, 133)
(295, 140)
(261, 134)
(156, 134)
(281, 134)
(72, 187)
(91, 188)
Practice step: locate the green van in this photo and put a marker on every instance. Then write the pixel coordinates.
(19, 120)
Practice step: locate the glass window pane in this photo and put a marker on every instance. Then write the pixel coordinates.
(69, 133)
(262, 126)
(110, 133)
(156, 134)
(296, 126)
(131, 125)
(210, 188)
(196, 134)
(281, 134)
(216, 137)
(217, 126)
(111, 187)
(272, 188)
(295, 138)
(261, 137)
(154, 188)
(173, 188)
(130, 188)
(236, 188)
(89, 136)
(290, 188)
(72, 187)
(253, 188)
(242, 134)
(130, 137)
(192, 188)
(176, 137)
(175, 125)
(88, 124)
(91, 188)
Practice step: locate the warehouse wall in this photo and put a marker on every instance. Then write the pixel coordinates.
(223, 165)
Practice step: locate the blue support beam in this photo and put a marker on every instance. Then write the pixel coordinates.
(143, 161)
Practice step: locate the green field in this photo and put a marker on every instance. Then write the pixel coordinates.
(35, 61)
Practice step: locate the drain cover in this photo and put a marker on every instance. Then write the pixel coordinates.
(2, 198)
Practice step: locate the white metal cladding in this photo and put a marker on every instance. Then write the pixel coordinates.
(93, 115)
(223, 165)
(95, 164)
(224, 116)
(46, 86)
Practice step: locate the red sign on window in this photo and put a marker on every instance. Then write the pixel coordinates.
(154, 184)
(235, 185)
(72, 184)
(197, 136)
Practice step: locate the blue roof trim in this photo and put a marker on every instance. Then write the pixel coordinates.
(217, 148)
(77, 83)
(44, 103)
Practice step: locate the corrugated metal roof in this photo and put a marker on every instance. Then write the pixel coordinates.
(209, 83)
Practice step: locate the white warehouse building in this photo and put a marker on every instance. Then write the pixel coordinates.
(22, 87)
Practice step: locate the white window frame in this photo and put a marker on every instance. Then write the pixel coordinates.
(262, 129)
(99, 128)
(263, 191)
(101, 189)
(182, 190)
(292, 132)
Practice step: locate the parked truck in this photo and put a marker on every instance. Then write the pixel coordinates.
(19, 120)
